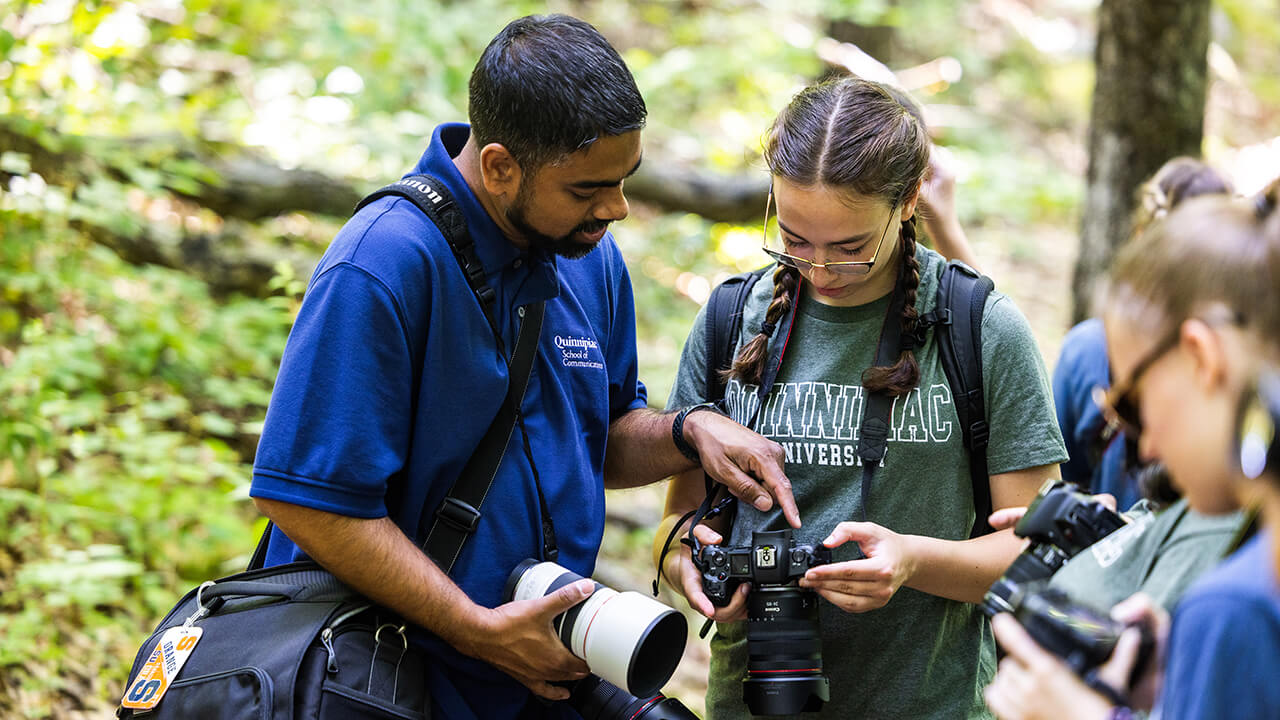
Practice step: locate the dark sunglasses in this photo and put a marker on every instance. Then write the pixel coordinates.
(1119, 403)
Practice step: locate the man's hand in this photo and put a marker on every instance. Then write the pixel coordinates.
(747, 463)
(518, 639)
(375, 557)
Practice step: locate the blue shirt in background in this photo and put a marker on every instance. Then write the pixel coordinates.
(1224, 647)
(391, 376)
(1082, 365)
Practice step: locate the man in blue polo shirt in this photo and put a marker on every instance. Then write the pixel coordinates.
(392, 374)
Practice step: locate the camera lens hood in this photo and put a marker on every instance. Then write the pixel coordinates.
(629, 639)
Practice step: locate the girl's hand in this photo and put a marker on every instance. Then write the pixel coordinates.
(1009, 517)
(1033, 684)
(868, 583)
(1138, 609)
(686, 578)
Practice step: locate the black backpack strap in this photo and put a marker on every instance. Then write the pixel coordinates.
(459, 514)
(873, 431)
(259, 559)
(725, 308)
(962, 297)
(724, 324)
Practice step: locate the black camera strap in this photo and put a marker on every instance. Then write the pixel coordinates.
(459, 513)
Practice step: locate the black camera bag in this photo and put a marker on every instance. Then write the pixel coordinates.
(289, 641)
(293, 642)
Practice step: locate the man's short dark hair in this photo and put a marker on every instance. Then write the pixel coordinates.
(548, 86)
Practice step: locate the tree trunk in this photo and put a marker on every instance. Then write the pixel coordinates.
(1148, 106)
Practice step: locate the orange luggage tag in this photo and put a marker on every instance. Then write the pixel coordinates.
(166, 660)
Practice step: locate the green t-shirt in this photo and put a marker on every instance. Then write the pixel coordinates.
(920, 656)
(1159, 554)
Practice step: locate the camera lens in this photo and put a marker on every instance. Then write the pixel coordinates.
(627, 638)
(598, 699)
(784, 652)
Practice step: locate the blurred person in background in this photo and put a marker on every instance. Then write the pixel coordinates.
(1192, 318)
(1101, 462)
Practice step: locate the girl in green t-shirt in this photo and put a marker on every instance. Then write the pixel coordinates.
(900, 635)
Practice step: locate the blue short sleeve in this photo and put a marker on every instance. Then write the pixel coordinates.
(338, 425)
(626, 392)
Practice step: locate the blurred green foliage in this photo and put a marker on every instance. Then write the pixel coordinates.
(131, 397)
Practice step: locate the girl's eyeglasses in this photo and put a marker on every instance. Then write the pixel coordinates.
(773, 244)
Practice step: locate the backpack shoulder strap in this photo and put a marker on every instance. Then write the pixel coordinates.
(724, 324)
(962, 297)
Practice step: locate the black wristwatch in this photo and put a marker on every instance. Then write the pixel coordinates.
(677, 429)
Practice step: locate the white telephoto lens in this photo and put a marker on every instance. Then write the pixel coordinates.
(633, 641)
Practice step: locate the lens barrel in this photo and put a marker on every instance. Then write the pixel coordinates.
(784, 652)
(598, 699)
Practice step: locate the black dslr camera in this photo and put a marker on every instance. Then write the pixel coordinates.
(772, 558)
(1081, 636)
(1060, 522)
(784, 663)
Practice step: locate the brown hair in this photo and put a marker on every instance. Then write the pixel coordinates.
(1178, 179)
(1207, 250)
(863, 139)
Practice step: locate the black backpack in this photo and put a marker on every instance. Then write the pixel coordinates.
(957, 320)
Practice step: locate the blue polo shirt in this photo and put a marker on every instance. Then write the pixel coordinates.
(391, 375)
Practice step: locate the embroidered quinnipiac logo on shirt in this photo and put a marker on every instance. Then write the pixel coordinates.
(579, 351)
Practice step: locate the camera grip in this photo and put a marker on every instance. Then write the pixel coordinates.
(713, 562)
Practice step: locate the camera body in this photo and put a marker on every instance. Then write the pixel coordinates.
(1060, 522)
(1083, 637)
(772, 558)
(784, 642)
(1067, 518)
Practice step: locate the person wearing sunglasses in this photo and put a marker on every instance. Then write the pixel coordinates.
(901, 637)
(1192, 316)
(1166, 545)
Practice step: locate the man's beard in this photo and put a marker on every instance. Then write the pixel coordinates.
(564, 246)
